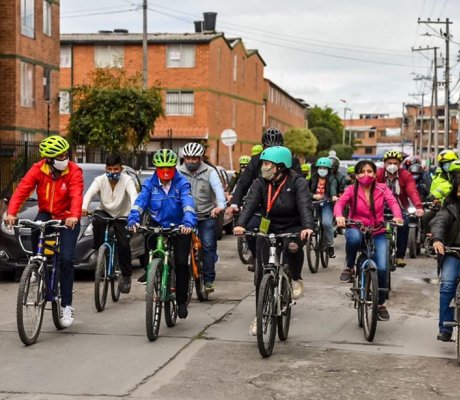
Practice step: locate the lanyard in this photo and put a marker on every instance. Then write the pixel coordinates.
(270, 200)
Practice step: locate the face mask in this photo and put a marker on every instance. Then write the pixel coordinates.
(267, 173)
(366, 180)
(60, 165)
(113, 176)
(392, 169)
(192, 166)
(166, 173)
(322, 172)
(445, 167)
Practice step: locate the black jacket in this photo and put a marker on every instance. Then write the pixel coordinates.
(292, 207)
(446, 225)
(331, 185)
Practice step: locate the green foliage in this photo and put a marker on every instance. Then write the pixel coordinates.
(325, 138)
(301, 141)
(326, 118)
(114, 111)
(344, 152)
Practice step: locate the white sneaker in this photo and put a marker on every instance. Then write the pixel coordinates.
(297, 289)
(66, 318)
(253, 328)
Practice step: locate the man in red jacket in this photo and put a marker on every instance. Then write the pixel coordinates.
(403, 186)
(59, 186)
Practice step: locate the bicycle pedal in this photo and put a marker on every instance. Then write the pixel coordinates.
(293, 303)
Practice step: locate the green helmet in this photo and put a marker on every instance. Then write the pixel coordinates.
(53, 146)
(454, 166)
(257, 149)
(278, 155)
(164, 158)
(305, 168)
(351, 169)
(244, 160)
(324, 162)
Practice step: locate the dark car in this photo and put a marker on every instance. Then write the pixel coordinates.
(12, 255)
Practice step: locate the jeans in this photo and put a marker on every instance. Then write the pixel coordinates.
(68, 241)
(327, 217)
(450, 273)
(354, 243)
(403, 238)
(207, 233)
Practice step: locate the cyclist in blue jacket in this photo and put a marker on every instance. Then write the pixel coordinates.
(167, 199)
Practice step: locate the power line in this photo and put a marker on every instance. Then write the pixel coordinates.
(104, 13)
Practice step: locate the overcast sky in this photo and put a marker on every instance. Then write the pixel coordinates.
(319, 50)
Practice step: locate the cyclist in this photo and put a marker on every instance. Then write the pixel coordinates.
(403, 187)
(422, 180)
(411, 160)
(445, 228)
(59, 186)
(286, 203)
(244, 161)
(366, 199)
(210, 201)
(167, 199)
(306, 171)
(351, 176)
(337, 175)
(117, 194)
(323, 186)
(256, 150)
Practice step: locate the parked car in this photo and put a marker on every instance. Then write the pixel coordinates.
(13, 257)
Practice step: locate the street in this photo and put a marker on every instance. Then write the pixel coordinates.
(211, 355)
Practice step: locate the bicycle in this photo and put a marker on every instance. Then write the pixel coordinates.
(415, 231)
(316, 247)
(392, 238)
(39, 281)
(161, 280)
(196, 269)
(107, 267)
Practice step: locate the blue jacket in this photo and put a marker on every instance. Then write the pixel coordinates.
(177, 207)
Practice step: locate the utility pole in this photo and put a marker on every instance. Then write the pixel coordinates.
(144, 46)
(402, 127)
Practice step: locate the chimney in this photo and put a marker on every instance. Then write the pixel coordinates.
(209, 25)
(198, 26)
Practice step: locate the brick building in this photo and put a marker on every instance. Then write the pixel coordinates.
(29, 69)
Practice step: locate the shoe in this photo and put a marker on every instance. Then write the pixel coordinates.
(383, 314)
(251, 267)
(331, 251)
(209, 287)
(142, 279)
(182, 311)
(297, 289)
(125, 284)
(66, 318)
(253, 328)
(400, 262)
(346, 276)
(444, 336)
(217, 258)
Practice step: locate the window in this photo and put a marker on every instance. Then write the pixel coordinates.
(27, 84)
(235, 67)
(27, 17)
(180, 56)
(66, 57)
(179, 103)
(47, 84)
(371, 135)
(368, 150)
(64, 102)
(359, 135)
(46, 18)
(109, 56)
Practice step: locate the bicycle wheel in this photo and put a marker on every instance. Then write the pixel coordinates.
(56, 306)
(152, 298)
(356, 294)
(30, 304)
(266, 318)
(170, 303)
(284, 319)
(101, 280)
(191, 284)
(201, 293)
(115, 280)
(370, 302)
(412, 242)
(312, 253)
(243, 250)
(324, 255)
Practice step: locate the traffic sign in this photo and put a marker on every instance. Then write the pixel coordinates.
(229, 137)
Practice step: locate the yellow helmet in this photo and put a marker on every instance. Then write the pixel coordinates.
(256, 149)
(53, 146)
(244, 160)
(305, 168)
(446, 156)
(393, 154)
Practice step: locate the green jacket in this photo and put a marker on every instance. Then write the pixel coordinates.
(440, 187)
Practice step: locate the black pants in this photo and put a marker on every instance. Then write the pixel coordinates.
(123, 237)
(253, 223)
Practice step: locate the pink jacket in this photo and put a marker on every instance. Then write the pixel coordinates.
(363, 213)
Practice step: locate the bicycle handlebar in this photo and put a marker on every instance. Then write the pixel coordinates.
(159, 230)
(54, 223)
(362, 227)
(275, 235)
(109, 219)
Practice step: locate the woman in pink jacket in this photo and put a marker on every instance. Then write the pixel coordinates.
(367, 199)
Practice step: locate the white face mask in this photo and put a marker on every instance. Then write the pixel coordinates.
(322, 172)
(392, 169)
(60, 165)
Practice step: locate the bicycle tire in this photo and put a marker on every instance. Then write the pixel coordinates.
(324, 255)
(56, 306)
(266, 318)
(191, 284)
(101, 281)
(115, 280)
(284, 320)
(244, 253)
(412, 242)
(170, 305)
(30, 330)
(356, 293)
(200, 289)
(312, 253)
(153, 302)
(371, 302)
(457, 342)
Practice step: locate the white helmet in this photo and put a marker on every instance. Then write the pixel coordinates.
(193, 150)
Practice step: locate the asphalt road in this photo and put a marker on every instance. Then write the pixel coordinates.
(211, 355)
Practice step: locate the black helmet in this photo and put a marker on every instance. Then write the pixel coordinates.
(272, 137)
(416, 169)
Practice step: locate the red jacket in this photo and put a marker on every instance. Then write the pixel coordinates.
(408, 189)
(62, 198)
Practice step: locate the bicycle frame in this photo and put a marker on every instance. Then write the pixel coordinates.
(161, 251)
(195, 249)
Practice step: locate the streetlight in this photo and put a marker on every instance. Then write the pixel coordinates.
(345, 109)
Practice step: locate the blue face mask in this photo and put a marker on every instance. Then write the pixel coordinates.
(113, 176)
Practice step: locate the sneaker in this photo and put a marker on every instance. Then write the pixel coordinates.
(142, 279)
(297, 289)
(383, 313)
(251, 267)
(182, 311)
(209, 287)
(66, 318)
(125, 284)
(331, 251)
(253, 328)
(346, 276)
(400, 262)
(444, 336)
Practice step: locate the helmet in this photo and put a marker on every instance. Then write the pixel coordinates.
(417, 169)
(335, 161)
(454, 166)
(408, 161)
(446, 156)
(272, 137)
(351, 169)
(193, 150)
(277, 155)
(244, 160)
(305, 168)
(165, 158)
(393, 154)
(324, 162)
(53, 146)
(257, 149)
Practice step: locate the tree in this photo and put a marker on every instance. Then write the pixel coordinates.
(326, 118)
(344, 151)
(114, 111)
(325, 138)
(301, 141)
